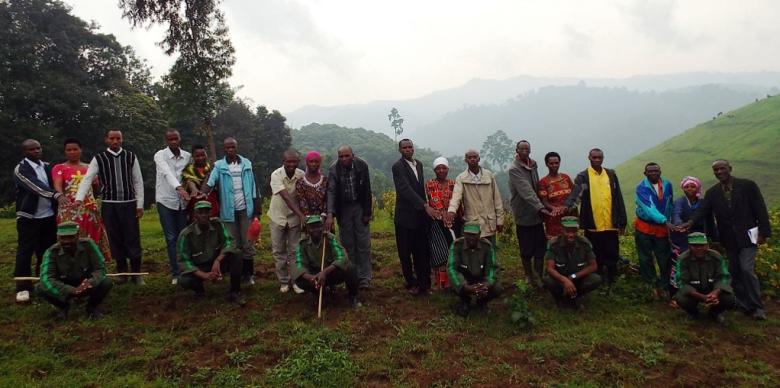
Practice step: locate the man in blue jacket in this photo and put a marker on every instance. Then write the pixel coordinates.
(653, 222)
(238, 201)
(36, 211)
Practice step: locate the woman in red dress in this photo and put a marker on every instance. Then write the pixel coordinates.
(553, 191)
(66, 177)
(439, 191)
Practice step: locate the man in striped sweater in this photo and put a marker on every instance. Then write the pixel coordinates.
(122, 191)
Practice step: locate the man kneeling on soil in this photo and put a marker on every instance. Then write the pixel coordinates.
(205, 250)
(472, 269)
(73, 268)
(703, 277)
(571, 266)
(310, 274)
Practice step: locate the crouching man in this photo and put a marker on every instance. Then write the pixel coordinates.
(703, 277)
(73, 268)
(308, 271)
(571, 266)
(472, 269)
(206, 249)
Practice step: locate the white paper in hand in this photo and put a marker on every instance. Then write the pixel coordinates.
(753, 235)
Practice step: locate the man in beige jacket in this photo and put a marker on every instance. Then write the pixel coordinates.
(477, 190)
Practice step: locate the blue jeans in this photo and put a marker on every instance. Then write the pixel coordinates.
(172, 221)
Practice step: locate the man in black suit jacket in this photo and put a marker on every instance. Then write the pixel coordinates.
(411, 220)
(738, 206)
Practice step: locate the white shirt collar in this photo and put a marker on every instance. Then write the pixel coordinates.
(115, 153)
(37, 164)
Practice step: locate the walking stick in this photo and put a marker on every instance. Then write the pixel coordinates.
(322, 267)
(33, 278)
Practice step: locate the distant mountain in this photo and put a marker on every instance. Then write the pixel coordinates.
(749, 137)
(573, 119)
(421, 111)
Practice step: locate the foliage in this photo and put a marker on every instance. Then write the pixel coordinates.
(315, 364)
(397, 122)
(498, 149)
(388, 203)
(768, 260)
(519, 309)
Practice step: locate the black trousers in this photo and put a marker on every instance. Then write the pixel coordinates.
(584, 285)
(413, 253)
(231, 264)
(94, 295)
(338, 276)
(606, 247)
(124, 235)
(533, 245)
(35, 236)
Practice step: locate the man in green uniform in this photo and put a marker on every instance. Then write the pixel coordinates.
(73, 268)
(307, 271)
(472, 269)
(205, 250)
(571, 266)
(703, 277)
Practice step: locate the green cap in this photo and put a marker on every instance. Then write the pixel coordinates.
(697, 238)
(67, 228)
(202, 205)
(313, 219)
(471, 227)
(570, 222)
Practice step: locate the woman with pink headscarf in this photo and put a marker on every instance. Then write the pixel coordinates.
(312, 190)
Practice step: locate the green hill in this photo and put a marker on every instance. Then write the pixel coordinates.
(748, 137)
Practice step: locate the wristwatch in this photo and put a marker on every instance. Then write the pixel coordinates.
(573, 276)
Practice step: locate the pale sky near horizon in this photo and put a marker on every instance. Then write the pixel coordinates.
(292, 53)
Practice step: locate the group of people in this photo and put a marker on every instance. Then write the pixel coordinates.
(445, 228)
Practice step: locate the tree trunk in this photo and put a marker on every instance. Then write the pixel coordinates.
(209, 131)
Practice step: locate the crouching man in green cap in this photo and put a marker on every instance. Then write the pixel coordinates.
(703, 277)
(73, 268)
(571, 266)
(206, 249)
(308, 272)
(472, 269)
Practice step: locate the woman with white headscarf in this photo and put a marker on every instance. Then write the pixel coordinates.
(439, 192)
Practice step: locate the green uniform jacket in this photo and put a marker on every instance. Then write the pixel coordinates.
(198, 248)
(702, 276)
(569, 263)
(478, 263)
(59, 269)
(308, 256)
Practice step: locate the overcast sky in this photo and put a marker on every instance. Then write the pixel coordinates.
(292, 53)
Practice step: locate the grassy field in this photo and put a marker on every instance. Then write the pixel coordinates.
(159, 335)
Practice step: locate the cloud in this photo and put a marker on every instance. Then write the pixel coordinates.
(655, 19)
(579, 43)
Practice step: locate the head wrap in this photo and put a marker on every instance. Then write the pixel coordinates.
(311, 155)
(441, 160)
(695, 181)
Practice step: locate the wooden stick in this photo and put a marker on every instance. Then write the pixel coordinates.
(322, 268)
(33, 278)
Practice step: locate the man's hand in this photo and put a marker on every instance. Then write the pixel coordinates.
(139, 213)
(481, 290)
(448, 217)
(470, 289)
(183, 193)
(83, 287)
(62, 200)
(328, 223)
(547, 213)
(215, 268)
(320, 279)
(432, 212)
(712, 299)
(366, 220)
(569, 289)
(684, 226)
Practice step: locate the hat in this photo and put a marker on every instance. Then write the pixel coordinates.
(570, 222)
(471, 227)
(697, 238)
(202, 205)
(67, 228)
(313, 219)
(440, 160)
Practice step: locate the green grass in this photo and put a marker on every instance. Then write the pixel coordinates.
(748, 137)
(160, 335)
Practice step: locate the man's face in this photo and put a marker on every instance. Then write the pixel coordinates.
(231, 148)
(472, 159)
(173, 139)
(202, 216)
(315, 230)
(698, 250)
(345, 158)
(553, 164)
(570, 234)
(406, 148)
(523, 150)
(653, 173)
(68, 242)
(199, 156)
(290, 164)
(722, 171)
(32, 150)
(114, 140)
(441, 172)
(472, 240)
(596, 159)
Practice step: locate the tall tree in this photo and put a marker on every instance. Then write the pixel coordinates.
(397, 122)
(498, 150)
(196, 30)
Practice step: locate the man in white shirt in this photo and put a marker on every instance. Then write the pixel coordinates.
(122, 191)
(285, 218)
(170, 194)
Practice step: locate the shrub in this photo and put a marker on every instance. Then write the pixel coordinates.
(519, 310)
(388, 203)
